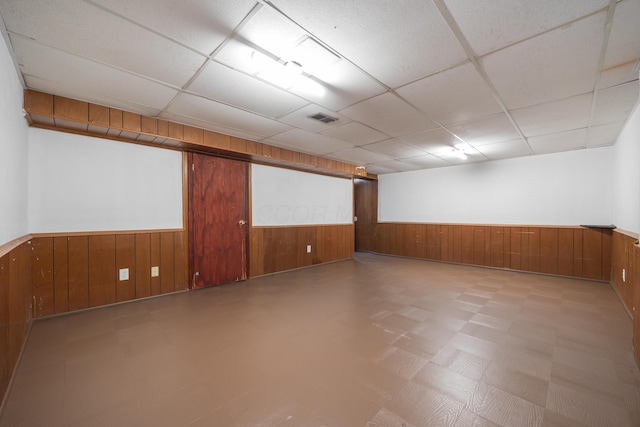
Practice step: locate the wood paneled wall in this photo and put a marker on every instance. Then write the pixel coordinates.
(15, 307)
(81, 271)
(566, 251)
(635, 278)
(275, 249)
(622, 260)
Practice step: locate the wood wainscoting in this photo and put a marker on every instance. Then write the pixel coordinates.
(15, 305)
(565, 251)
(78, 271)
(623, 279)
(281, 248)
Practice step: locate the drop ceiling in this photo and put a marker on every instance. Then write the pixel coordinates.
(408, 81)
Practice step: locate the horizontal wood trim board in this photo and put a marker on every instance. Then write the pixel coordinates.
(275, 249)
(106, 233)
(70, 115)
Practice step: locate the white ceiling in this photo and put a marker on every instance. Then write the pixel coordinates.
(408, 81)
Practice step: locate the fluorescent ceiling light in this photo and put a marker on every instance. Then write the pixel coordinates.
(459, 153)
(289, 76)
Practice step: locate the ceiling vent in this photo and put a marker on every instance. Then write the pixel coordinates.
(323, 118)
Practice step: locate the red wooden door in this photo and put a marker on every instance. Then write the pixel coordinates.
(218, 223)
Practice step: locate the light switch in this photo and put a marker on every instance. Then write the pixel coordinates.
(155, 271)
(308, 249)
(124, 274)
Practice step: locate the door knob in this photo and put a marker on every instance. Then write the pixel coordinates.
(242, 222)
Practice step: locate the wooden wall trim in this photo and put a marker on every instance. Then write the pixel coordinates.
(105, 233)
(491, 225)
(69, 115)
(11, 245)
(299, 225)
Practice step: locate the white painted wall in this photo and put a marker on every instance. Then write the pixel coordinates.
(13, 152)
(287, 197)
(81, 183)
(626, 176)
(569, 188)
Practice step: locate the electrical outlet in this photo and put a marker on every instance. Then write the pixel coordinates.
(308, 249)
(124, 274)
(155, 271)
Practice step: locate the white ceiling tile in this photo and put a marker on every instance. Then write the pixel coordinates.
(300, 119)
(79, 28)
(54, 71)
(433, 140)
(615, 103)
(452, 96)
(414, 38)
(426, 161)
(308, 142)
(390, 115)
(623, 49)
(355, 133)
(200, 24)
(505, 149)
(487, 130)
(489, 24)
(224, 115)
(552, 117)
(380, 170)
(552, 66)
(394, 148)
(231, 87)
(449, 156)
(395, 165)
(359, 156)
(598, 136)
(556, 142)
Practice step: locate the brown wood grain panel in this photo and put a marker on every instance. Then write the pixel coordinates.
(467, 244)
(115, 118)
(620, 262)
(238, 144)
(382, 238)
(525, 233)
(181, 261)
(155, 258)
(592, 254)
(506, 251)
(149, 125)
(578, 257)
(446, 249)
(549, 250)
(433, 241)
(60, 274)
(5, 371)
(565, 252)
(176, 130)
(163, 128)
(515, 251)
(194, 135)
(635, 280)
(131, 121)
(19, 300)
(126, 258)
(534, 249)
(497, 246)
(257, 250)
(102, 270)
(70, 109)
(42, 276)
(416, 240)
(38, 102)
(607, 241)
(479, 245)
(98, 115)
(143, 265)
(167, 263)
(78, 259)
(456, 243)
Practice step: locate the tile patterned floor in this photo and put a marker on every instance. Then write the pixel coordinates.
(374, 342)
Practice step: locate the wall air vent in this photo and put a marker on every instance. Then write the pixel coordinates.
(323, 118)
